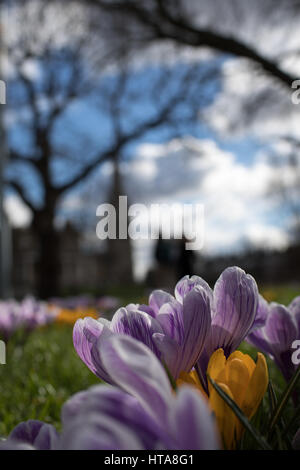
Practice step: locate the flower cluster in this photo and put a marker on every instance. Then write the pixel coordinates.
(70, 316)
(71, 309)
(277, 329)
(27, 315)
(141, 412)
(182, 330)
(242, 380)
(104, 303)
(175, 379)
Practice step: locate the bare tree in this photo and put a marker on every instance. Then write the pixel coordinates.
(285, 185)
(61, 77)
(213, 24)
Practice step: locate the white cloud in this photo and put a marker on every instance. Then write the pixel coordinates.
(252, 104)
(19, 215)
(238, 210)
(267, 236)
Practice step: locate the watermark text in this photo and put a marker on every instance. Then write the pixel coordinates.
(141, 222)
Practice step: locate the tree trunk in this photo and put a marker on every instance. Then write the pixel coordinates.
(119, 255)
(48, 264)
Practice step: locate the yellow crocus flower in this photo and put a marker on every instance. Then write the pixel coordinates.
(239, 377)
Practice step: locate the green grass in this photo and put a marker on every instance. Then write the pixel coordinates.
(282, 294)
(43, 370)
(39, 376)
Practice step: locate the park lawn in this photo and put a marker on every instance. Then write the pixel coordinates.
(39, 376)
(43, 370)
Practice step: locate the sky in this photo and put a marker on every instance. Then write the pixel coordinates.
(222, 162)
(237, 211)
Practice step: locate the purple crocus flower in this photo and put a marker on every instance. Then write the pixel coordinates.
(40, 435)
(174, 330)
(143, 413)
(276, 336)
(9, 321)
(35, 313)
(234, 303)
(28, 314)
(183, 329)
(31, 435)
(234, 309)
(103, 408)
(82, 301)
(296, 440)
(294, 308)
(108, 302)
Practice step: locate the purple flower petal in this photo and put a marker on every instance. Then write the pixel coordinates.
(40, 435)
(257, 336)
(277, 336)
(147, 309)
(262, 313)
(86, 333)
(187, 283)
(294, 308)
(98, 432)
(158, 298)
(137, 370)
(258, 339)
(296, 440)
(194, 328)
(171, 353)
(170, 318)
(120, 406)
(15, 445)
(234, 310)
(193, 422)
(281, 329)
(197, 323)
(138, 325)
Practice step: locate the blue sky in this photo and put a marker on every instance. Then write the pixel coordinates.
(85, 129)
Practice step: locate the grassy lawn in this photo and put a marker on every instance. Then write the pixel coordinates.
(39, 376)
(43, 371)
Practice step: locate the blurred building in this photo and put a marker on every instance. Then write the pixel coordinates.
(266, 266)
(5, 232)
(119, 253)
(80, 270)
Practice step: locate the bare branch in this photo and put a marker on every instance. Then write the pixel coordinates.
(21, 192)
(164, 25)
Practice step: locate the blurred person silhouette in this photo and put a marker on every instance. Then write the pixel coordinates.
(166, 255)
(185, 259)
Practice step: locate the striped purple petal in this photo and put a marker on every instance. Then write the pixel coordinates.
(195, 428)
(187, 283)
(120, 406)
(258, 339)
(138, 325)
(281, 328)
(95, 431)
(136, 369)
(262, 313)
(194, 328)
(197, 324)
(86, 333)
(234, 309)
(294, 308)
(170, 317)
(41, 436)
(158, 298)
(171, 353)
(296, 440)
